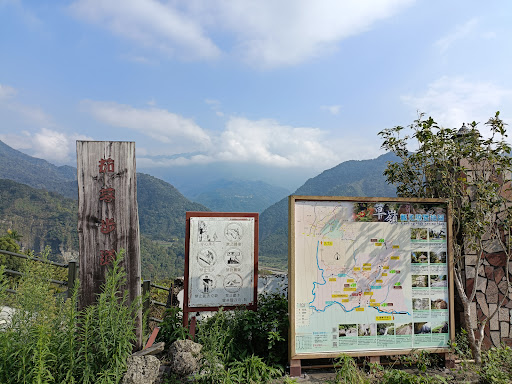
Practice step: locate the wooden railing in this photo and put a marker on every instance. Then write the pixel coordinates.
(72, 267)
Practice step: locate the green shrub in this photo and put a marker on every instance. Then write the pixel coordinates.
(397, 376)
(49, 340)
(171, 328)
(497, 365)
(252, 370)
(347, 371)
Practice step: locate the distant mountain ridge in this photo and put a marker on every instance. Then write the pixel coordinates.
(37, 173)
(239, 195)
(30, 204)
(350, 178)
(162, 207)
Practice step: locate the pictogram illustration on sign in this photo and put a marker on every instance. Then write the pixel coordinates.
(221, 260)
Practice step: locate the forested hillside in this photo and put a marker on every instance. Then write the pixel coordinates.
(239, 195)
(37, 173)
(47, 218)
(350, 178)
(41, 217)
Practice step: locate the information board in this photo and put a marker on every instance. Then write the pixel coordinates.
(369, 274)
(221, 260)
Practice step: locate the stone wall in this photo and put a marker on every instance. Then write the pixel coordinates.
(492, 287)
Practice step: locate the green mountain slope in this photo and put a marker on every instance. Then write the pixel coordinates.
(239, 195)
(162, 208)
(350, 178)
(47, 218)
(41, 217)
(37, 173)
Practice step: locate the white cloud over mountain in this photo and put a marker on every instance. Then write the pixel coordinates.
(159, 124)
(263, 141)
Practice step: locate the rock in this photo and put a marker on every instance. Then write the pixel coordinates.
(497, 259)
(480, 298)
(184, 356)
(141, 370)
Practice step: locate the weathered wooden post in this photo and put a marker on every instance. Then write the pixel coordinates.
(108, 219)
(146, 297)
(71, 278)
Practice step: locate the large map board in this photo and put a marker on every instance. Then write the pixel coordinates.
(369, 276)
(221, 260)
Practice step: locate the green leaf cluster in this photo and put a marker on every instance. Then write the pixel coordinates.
(49, 340)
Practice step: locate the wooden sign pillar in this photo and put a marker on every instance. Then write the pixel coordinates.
(108, 219)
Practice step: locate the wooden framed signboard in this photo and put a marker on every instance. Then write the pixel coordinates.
(369, 276)
(221, 261)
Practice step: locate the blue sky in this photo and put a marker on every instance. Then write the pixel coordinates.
(275, 90)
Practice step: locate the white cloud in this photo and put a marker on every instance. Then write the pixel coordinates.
(165, 127)
(23, 112)
(332, 109)
(460, 32)
(55, 146)
(268, 142)
(280, 33)
(29, 130)
(150, 23)
(452, 101)
(7, 92)
(264, 142)
(215, 106)
(264, 33)
(51, 145)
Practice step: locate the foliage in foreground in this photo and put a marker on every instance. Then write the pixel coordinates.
(49, 340)
(239, 346)
(471, 172)
(497, 366)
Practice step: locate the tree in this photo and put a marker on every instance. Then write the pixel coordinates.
(471, 172)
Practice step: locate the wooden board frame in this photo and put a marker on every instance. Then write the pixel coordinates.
(254, 305)
(293, 356)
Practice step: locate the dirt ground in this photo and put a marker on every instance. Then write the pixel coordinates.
(456, 375)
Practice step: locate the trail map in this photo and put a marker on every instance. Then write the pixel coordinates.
(370, 276)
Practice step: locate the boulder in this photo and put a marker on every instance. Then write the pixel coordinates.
(184, 356)
(141, 370)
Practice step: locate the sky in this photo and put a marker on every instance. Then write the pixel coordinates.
(272, 90)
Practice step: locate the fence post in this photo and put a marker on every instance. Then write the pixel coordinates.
(71, 277)
(146, 289)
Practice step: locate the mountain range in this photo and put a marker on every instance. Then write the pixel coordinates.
(38, 200)
(238, 195)
(350, 178)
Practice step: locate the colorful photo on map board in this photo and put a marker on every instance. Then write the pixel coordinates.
(373, 275)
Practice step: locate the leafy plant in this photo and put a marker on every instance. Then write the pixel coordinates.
(347, 371)
(469, 171)
(397, 376)
(252, 370)
(171, 328)
(49, 340)
(497, 365)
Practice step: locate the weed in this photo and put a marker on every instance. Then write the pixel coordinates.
(171, 328)
(497, 365)
(49, 340)
(252, 370)
(397, 376)
(460, 346)
(347, 371)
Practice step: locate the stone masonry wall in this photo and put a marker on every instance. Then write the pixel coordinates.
(492, 287)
